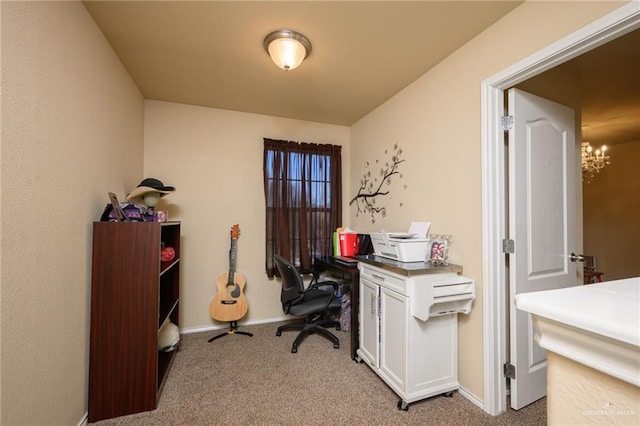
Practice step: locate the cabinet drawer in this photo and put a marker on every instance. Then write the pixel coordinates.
(384, 278)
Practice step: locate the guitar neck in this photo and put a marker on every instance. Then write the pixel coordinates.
(232, 261)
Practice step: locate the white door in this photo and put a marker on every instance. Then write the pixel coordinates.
(542, 223)
(369, 322)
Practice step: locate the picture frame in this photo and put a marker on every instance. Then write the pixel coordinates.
(438, 245)
(120, 215)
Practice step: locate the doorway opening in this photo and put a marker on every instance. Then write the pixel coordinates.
(494, 197)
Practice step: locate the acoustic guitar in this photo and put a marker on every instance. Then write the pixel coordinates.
(229, 304)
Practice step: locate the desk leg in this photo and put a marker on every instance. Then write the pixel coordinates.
(349, 275)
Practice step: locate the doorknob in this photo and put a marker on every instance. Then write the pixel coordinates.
(576, 257)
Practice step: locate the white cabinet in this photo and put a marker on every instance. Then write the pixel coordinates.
(408, 326)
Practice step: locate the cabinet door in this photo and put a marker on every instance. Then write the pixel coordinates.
(394, 316)
(369, 322)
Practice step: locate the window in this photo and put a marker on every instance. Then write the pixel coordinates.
(303, 199)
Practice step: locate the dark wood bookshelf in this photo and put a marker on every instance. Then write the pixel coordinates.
(132, 294)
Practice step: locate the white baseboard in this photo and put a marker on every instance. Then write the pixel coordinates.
(471, 397)
(85, 420)
(213, 327)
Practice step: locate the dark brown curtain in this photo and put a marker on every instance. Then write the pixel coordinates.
(303, 199)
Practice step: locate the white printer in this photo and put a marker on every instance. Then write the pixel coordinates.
(409, 246)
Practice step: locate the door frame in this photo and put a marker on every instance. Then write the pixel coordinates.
(494, 178)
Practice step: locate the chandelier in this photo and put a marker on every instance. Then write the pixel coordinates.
(592, 161)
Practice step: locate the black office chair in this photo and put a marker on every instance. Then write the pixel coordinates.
(313, 303)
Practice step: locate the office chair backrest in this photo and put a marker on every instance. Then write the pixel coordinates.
(292, 284)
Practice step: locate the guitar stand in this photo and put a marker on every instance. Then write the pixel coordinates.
(233, 329)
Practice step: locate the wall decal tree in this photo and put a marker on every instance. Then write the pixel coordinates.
(372, 187)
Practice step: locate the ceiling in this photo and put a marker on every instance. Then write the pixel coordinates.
(210, 53)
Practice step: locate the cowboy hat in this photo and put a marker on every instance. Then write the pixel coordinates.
(146, 186)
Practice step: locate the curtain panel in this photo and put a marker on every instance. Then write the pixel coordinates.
(303, 201)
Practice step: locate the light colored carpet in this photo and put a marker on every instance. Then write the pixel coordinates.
(241, 380)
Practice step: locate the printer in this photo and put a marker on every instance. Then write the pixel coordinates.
(412, 246)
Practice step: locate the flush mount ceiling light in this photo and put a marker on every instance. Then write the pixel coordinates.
(287, 48)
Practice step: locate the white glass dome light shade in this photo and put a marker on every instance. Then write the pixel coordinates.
(287, 48)
(287, 53)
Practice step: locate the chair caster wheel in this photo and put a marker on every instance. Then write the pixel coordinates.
(449, 394)
(278, 333)
(336, 346)
(294, 350)
(403, 405)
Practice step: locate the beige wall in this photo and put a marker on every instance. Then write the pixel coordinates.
(580, 395)
(72, 129)
(437, 122)
(611, 218)
(214, 159)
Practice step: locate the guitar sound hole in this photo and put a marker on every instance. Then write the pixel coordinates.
(233, 289)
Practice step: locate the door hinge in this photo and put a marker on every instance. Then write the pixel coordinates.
(508, 246)
(509, 371)
(506, 123)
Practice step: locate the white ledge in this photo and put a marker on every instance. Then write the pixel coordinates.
(597, 325)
